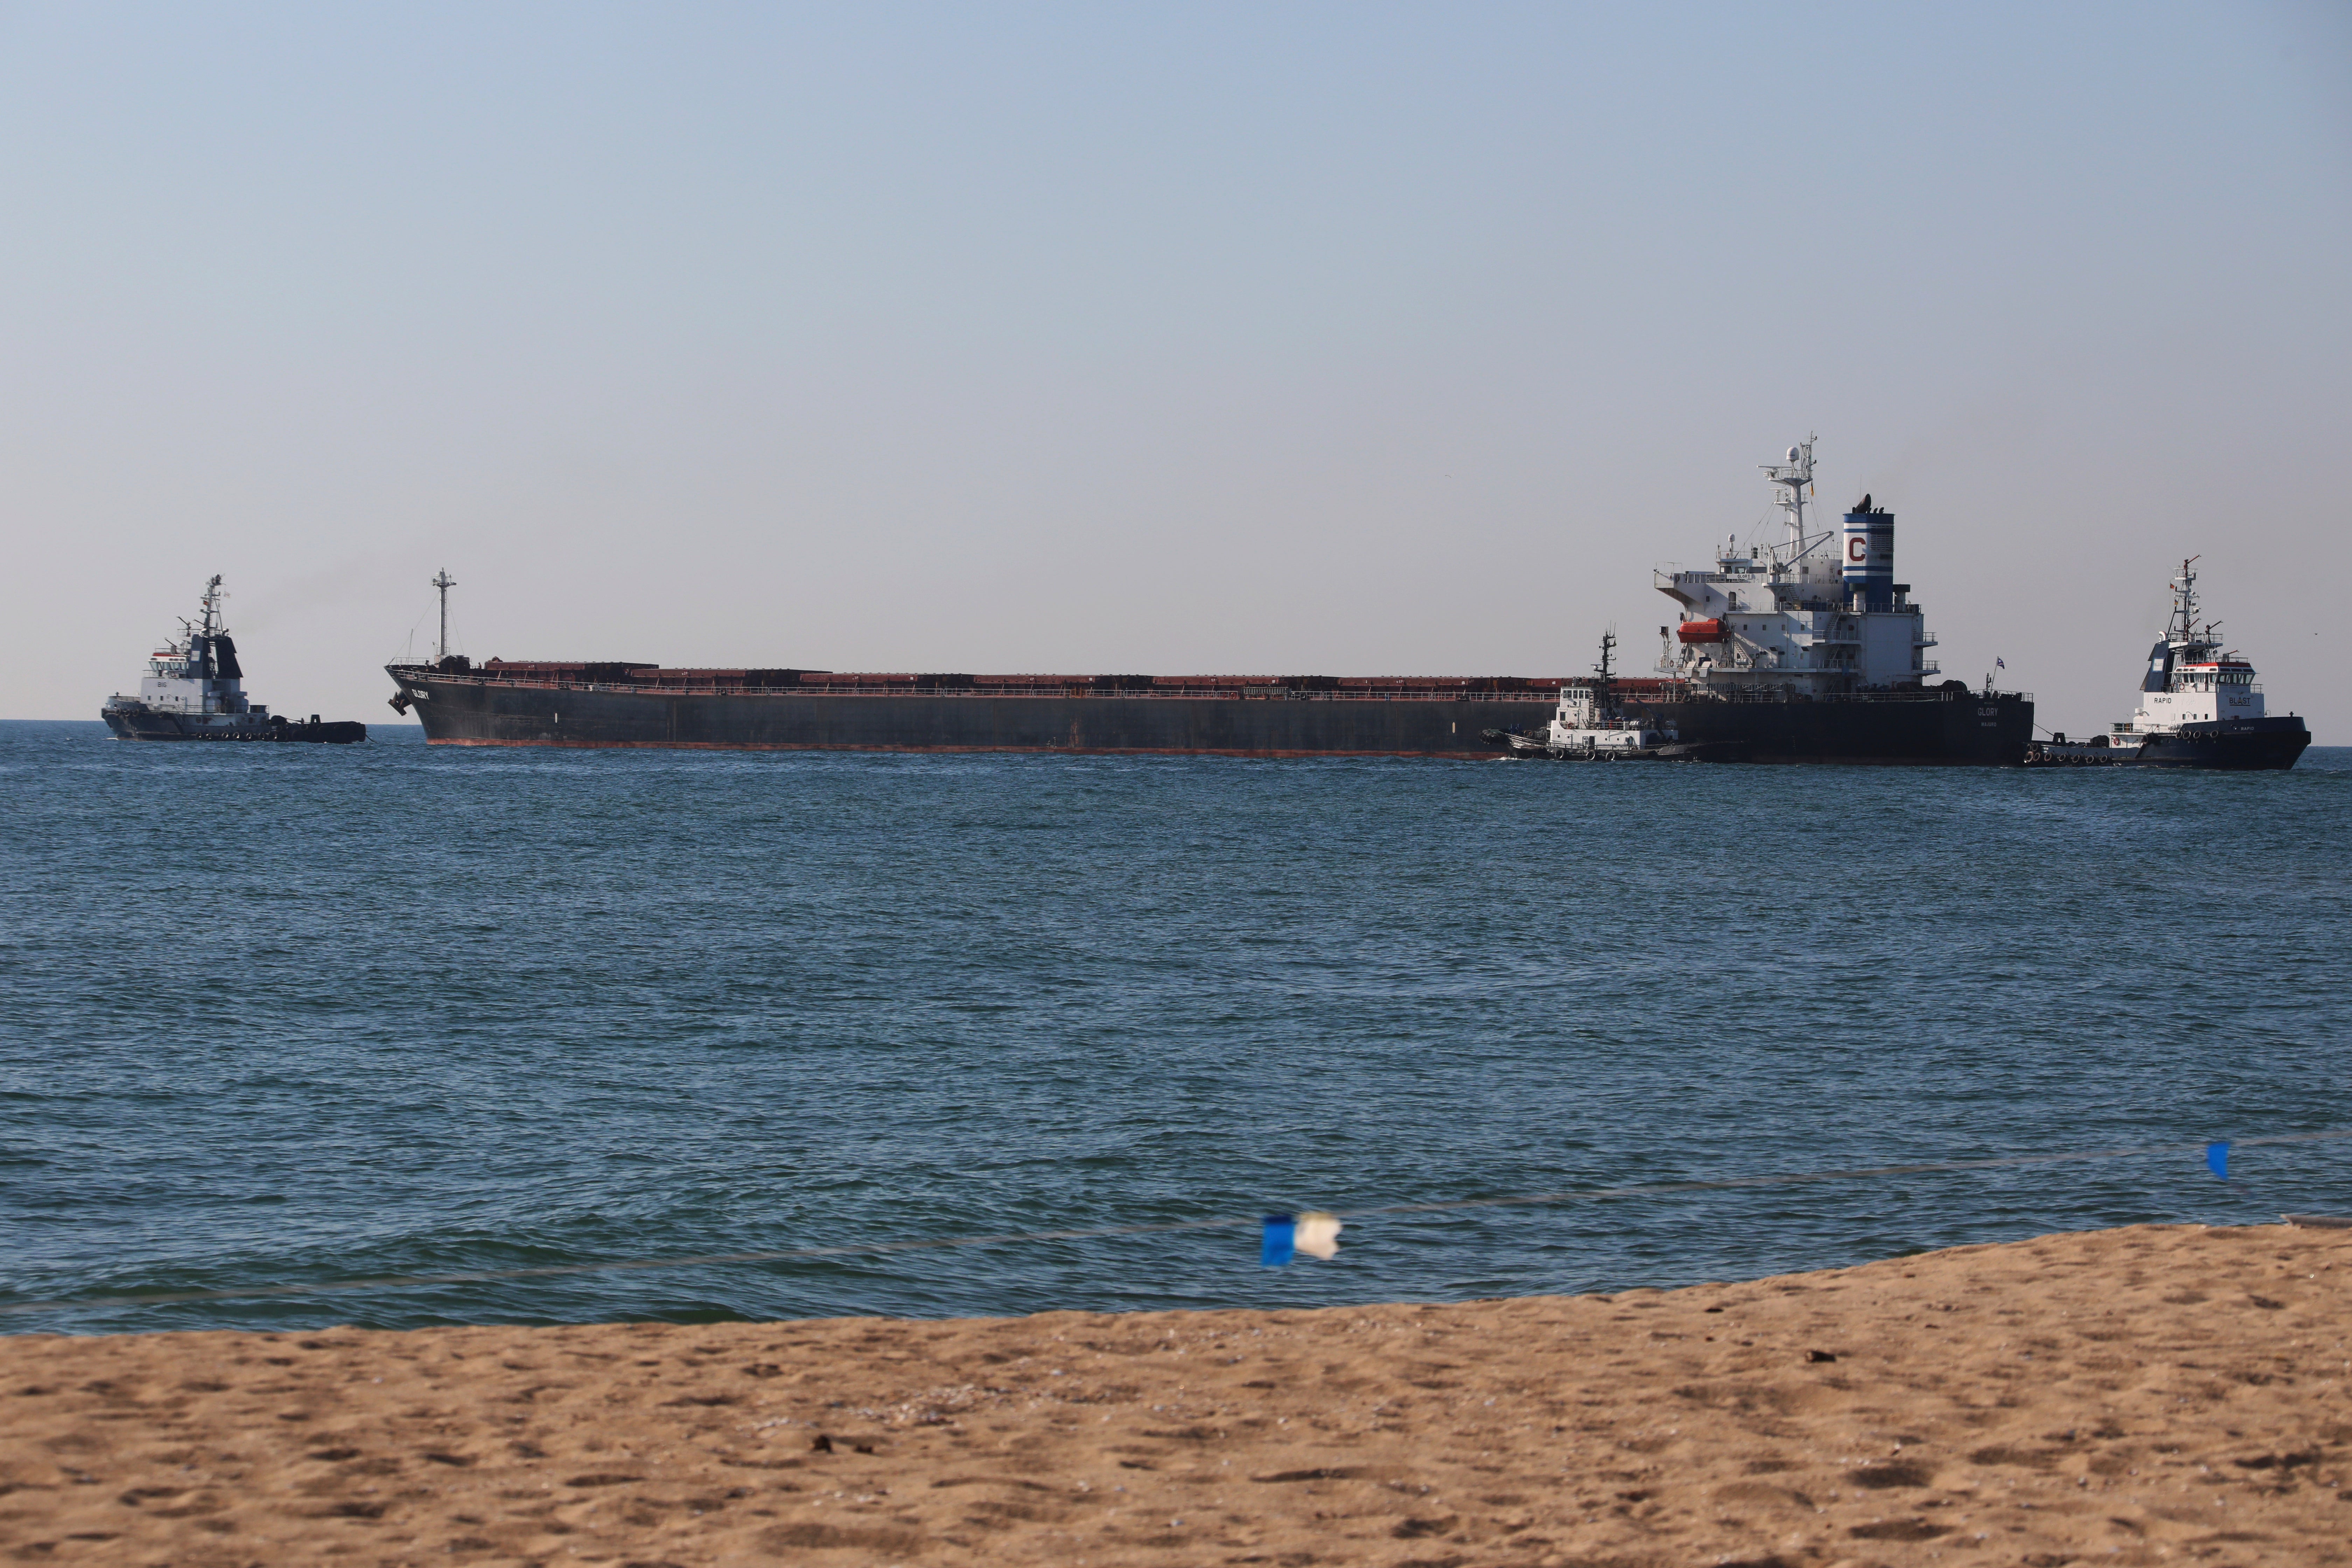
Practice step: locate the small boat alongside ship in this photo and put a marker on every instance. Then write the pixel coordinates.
(2200, 707)
(1591, 725)
(194, 691)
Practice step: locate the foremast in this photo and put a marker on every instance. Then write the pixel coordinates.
(444, 582)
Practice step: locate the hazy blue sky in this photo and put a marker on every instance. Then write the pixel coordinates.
(1341, 339)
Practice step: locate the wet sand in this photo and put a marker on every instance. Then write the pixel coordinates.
(2149, 1395)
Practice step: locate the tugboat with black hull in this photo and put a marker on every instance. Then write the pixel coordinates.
(194, 691)
(2198, 708)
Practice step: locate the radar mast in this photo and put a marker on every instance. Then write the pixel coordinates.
(213, 597)
(2182, 632)
(1795, 478)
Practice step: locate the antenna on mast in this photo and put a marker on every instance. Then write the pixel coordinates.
(443, 581)
(2183, 630)
(1796, 476)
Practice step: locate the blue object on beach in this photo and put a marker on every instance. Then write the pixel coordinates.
(2217, 1160)
(1281, 1240)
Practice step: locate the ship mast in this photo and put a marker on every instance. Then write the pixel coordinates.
(1796, 478)
(204, 661)
(443, 581)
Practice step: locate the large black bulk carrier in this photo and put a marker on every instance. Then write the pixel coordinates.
(537, 704)
(1805, 650)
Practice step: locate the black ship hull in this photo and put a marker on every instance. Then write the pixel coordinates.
(456, 711)
(146, 724)
(1969, 728)
(2228, 745)
(470, 709)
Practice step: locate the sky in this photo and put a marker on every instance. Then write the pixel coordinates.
(1341, 339)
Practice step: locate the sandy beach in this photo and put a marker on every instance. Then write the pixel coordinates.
(2138, 1395)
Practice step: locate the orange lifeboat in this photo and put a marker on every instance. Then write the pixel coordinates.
(1702, 631)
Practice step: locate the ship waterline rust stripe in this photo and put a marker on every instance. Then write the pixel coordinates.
(1168, 1228)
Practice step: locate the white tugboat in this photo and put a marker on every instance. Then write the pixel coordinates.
(1589, 726)
(2199, 707)
(194, 691)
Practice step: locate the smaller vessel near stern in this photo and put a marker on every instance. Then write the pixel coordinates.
(194, 691)
(1591, 725)
(2198, 708)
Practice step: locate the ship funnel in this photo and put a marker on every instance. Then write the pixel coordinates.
(1869, 558)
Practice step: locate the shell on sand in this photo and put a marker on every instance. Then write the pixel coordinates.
(2131, 1396)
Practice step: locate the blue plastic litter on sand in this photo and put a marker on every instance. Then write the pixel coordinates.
(2217, 1160)
(1281, 1240)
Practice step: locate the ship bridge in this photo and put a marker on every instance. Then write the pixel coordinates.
(1817, 613)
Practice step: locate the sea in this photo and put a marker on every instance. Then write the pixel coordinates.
(295, 1034)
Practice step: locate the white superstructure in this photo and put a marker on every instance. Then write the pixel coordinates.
(1589, 724)
(1816, 614)
(1580, 725)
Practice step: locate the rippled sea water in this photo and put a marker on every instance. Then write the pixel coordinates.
(297, 1013)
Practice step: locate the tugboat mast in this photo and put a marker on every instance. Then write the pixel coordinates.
(2182, 632)
(213, 597)
(443, 581)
